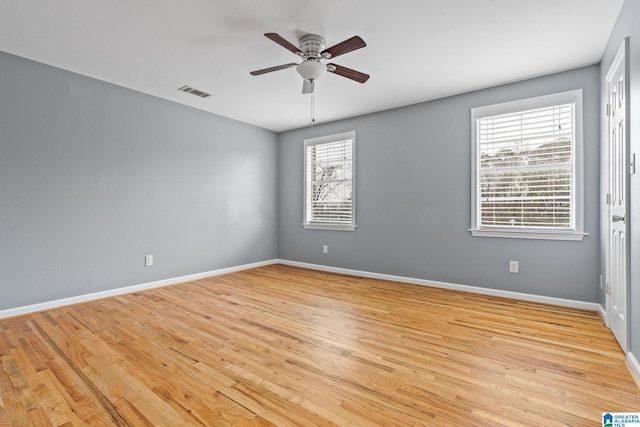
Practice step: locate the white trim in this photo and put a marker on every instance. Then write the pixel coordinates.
(350, 134)
(634, 366)
(603, 313)
(592, 306)
(18, 311)
(335, 227)
(526, 234)
(526, 104)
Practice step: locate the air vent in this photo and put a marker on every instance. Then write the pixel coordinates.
(194, 91)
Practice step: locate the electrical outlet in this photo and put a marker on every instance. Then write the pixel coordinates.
(325, 249)
(148, 260)
(514, 266)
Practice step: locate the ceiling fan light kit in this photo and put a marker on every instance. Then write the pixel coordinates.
(311, 48)
(310, 70)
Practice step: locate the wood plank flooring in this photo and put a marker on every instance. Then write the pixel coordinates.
(284, 346)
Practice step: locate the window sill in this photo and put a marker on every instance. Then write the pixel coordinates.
(521, 234)
(335, 227)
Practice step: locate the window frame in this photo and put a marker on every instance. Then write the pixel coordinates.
(350, 135)
(577, 200)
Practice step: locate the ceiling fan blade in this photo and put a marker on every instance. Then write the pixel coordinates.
(341, 48)
(270, 69)
(308, 86)
(284, 43)
(348, 73)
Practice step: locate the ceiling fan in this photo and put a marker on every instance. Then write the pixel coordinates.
(311, 48)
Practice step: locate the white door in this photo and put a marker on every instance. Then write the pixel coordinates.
(617, 241)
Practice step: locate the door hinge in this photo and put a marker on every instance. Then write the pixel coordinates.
(632, 164)
(608, 109)
(608, 288)
(608, 198)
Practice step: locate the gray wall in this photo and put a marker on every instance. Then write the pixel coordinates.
(627, 26)
(93, 177)
(413, 199)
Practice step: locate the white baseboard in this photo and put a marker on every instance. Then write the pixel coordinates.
(634, 365)
(592, 306)
(18, 311)
(603, 313)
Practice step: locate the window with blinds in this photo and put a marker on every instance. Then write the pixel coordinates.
(329, 172)
(525, 158)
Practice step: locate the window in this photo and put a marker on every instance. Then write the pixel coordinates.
(329, 177)
(527, 168)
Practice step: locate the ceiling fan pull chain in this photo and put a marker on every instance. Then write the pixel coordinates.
(313, 113)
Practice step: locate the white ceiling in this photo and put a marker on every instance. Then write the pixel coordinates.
(417, 50)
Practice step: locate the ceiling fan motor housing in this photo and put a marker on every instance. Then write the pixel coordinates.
(311, 45)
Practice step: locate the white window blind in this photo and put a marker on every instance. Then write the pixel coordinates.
(525, 166)
(329, 182)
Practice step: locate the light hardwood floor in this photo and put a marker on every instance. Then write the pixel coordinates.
(284, 346)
